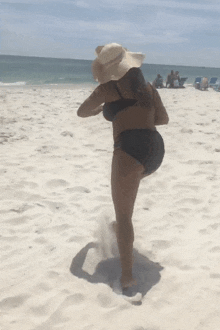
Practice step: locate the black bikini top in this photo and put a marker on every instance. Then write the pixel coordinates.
(111, 109)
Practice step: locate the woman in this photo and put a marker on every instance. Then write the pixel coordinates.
(205, 84)
(170, 79)
(158, 82)
(135, 108)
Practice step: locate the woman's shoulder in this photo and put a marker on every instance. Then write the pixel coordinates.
(106, 87)
(103, 88)
(134, 72)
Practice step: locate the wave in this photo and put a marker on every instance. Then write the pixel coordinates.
(18, 83)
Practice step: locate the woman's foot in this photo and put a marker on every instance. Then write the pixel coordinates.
(128, 283)
(130, 290)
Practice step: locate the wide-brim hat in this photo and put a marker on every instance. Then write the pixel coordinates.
(113, 61)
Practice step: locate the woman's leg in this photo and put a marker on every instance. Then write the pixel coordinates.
(126, 176)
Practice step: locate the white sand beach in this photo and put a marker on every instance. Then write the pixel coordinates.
(59, 266)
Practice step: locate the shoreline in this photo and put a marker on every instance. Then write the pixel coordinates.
(73, 86)
(52, 86)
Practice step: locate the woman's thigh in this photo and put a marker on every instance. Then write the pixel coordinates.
(126, 176)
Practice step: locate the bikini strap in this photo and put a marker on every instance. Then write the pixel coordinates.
(119, 93)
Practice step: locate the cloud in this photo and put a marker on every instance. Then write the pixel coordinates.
(162, 27)
(179, 23)
(204, 5)
(196, 57)
(82, 4)
(23, 45)
(74, 28)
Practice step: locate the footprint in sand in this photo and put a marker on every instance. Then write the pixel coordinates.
(44, 287)
(3, 171)
(21, 209)
(57, 183)
(215, 226)
(39, 310)
(13, 302)
(185, 130)
(18, 221)
(188, 187)
(28, 168)
(192, 201)
(161, 244)
(47, 149)
(215, 249)
(214, 275)
(75, 299)
(41, 240)
(104, 300)
(89, 145)
(54, 206)
(67, 133)
(75, 239)
(102, 198)
(78, 189)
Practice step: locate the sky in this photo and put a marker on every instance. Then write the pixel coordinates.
(175, 32)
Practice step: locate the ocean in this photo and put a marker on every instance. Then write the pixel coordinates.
(22, 70)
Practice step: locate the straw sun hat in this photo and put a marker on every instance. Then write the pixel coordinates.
(113, 61)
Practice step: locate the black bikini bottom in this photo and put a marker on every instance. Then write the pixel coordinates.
(145, 145)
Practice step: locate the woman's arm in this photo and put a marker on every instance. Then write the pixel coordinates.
(85, 111)
(92, 105)
(161, 116)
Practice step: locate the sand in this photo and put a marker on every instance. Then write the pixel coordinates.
(59, 265)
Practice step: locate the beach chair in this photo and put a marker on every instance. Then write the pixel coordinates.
(212, 82)
(182, 81)
(217, 86)
(197, 82)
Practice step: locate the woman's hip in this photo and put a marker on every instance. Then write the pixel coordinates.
(145, 145)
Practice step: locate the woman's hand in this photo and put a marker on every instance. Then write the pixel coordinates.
(92, 105)
(97, 110)
(85, 111)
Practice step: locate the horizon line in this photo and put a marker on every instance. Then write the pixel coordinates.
(80, 59)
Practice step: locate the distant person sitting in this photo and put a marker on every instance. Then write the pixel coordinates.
(176, 79)
(158, 82)
(204, 84)
(197, 84)
(170, 80)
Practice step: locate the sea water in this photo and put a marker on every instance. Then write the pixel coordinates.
(22, 70)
